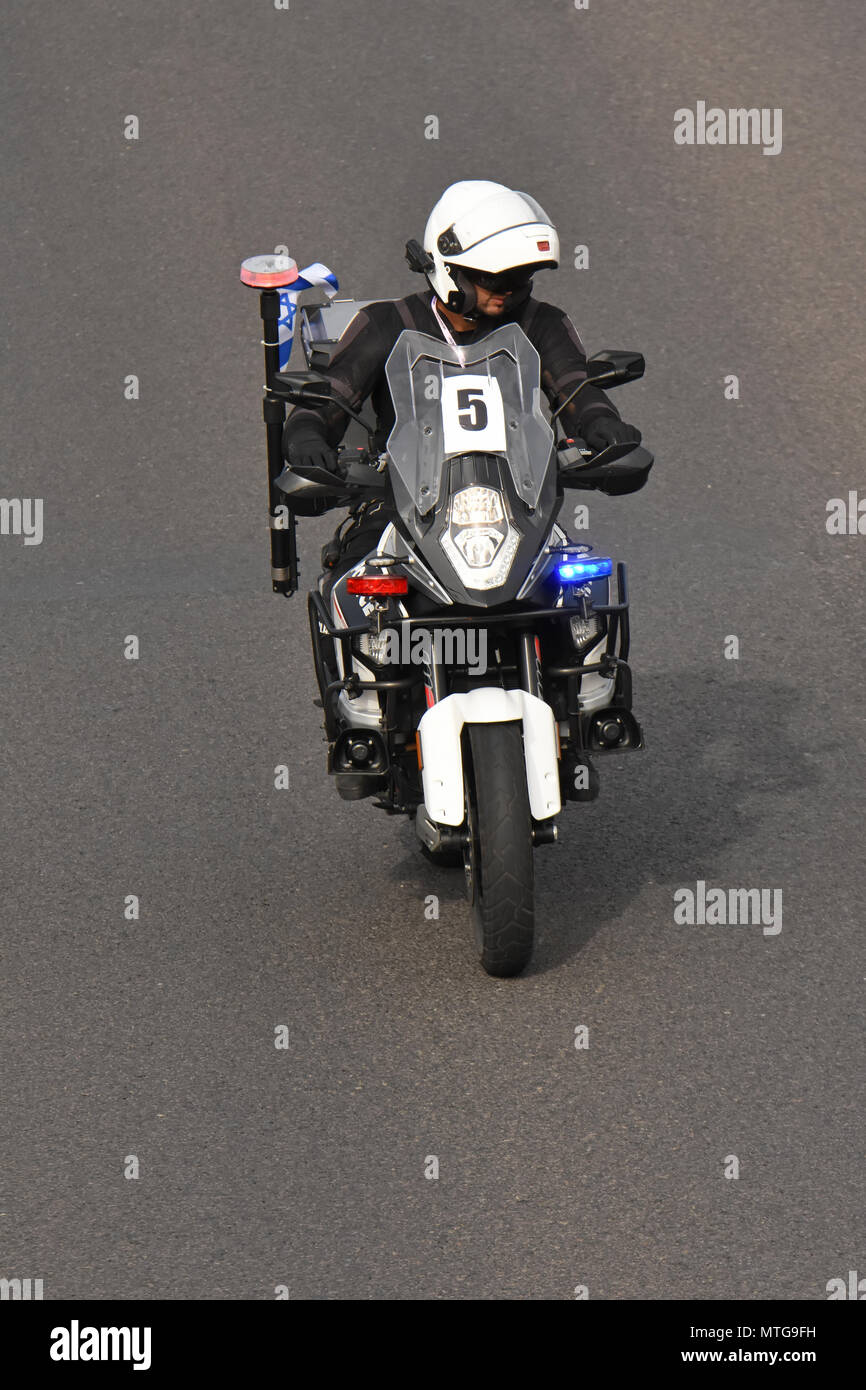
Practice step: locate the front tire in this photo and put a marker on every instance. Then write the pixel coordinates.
(498, 856)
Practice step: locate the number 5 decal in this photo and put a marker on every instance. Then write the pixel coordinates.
(473, 418)
(471, 400)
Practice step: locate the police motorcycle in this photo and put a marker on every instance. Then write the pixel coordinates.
(481, 753)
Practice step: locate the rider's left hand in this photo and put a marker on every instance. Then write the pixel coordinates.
(606, 429)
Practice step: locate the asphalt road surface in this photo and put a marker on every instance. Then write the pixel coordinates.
(559, 1166)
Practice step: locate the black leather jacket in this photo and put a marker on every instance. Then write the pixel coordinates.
(357, 368)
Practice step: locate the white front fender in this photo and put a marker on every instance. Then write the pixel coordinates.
(442, 763)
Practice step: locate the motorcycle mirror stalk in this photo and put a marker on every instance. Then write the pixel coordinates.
(309, 388)
(608, 368)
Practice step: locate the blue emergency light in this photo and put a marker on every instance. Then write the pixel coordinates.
(577, 570)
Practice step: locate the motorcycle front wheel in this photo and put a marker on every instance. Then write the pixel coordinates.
(497, 859)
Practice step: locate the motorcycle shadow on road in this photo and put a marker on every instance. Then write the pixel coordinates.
(720, 766)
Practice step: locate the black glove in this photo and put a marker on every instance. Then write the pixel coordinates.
(307, 446)
(606, 429)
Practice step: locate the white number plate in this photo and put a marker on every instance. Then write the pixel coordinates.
(473, 416)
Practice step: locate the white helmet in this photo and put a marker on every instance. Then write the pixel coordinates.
(485, 227)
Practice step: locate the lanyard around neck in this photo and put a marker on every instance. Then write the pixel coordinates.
(449, 336)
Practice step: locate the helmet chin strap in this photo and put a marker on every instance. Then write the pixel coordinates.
(468, 306)
(466, 312)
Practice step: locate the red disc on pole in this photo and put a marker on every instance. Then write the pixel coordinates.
(269, 272)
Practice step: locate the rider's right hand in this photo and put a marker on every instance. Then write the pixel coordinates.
(308, 448)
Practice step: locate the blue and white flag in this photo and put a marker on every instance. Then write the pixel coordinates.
(315, 274)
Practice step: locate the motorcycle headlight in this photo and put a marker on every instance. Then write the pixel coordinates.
(478, 546)
(378, 646)
(473, 506)
(480, 540)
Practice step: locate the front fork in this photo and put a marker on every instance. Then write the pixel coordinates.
(529, 660)
(529, 666)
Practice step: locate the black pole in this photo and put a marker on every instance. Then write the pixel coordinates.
(284, 544)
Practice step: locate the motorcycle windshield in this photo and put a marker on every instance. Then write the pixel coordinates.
(480, 397)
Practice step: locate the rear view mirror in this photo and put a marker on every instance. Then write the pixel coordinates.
(613, 368)
(302, 388)
(309, 388)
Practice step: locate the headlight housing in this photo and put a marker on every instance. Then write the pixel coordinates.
(480, 538)
(379, 647)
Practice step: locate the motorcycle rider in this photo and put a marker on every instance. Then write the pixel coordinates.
(482, 245)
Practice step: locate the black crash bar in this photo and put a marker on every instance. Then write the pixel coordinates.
(618, 628)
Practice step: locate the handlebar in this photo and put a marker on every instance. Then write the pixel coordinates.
(358, 471)
(616, 469)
